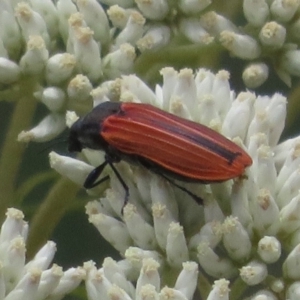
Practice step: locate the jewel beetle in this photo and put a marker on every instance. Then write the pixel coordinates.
(170, 146)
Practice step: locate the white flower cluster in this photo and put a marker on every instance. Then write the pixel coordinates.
(246, 229)
(114, 279)
(65, 48)
(32, 280)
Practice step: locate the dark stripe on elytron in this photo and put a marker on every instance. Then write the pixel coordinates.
(206, 143)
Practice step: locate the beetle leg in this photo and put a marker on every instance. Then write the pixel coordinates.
(90, 181)
(125, 186)
(198, 199)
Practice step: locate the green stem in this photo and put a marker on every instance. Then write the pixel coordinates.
(12, 151)
(193, 56)
(50, 213)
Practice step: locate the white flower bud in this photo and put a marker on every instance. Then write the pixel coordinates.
(194, 31)
(162, 219)
(265, 213)
(118, 16)
(239, 202)
(72, 168)
(186, 281)
(43, 257)
(79, 89)
(12, 227)
(215, 24)
(96, 18)
(263, 295)
(133, 30)
(115, 292)
(138, 87)
(31, 22)
(255, 75)
(237, 119)
(69, 281)
(277, 285)
(293, 291)
(269, 117)
(242, 46)
(99, 95)
(49, 13)
(220, 290)
(116, 275)
(289, 190)
(210, 232)
(155, 37)
(184, 94)
(60, 67)
(148, 275)
(50, 127)
(277, 115)
(290, 215)
(49, 281)
(147, 292)
(114, 231)
(291, 162)
(254, 272)
(236, 239)
(286, 153)
(87, 53)
(291, 266)
(153, 10)
(171, 294)
(140, 231)
(65, 8)
(119, 62)
(96, 282)
(290, 62)
(272, 35)
(10, 34)
(269, 249)
(9, 71)
(176, 248)
(266, 171)
(193, 6)
(136, 257)
(213, 264)
(13, 259)
(284, 10)
(34, 59)
(256, 12)
(27, 287)
(71, 118)
(54, 98)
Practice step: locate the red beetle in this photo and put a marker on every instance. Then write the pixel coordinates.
(165, 144)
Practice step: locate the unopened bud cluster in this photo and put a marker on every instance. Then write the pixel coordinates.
(52, 43)
(34, 279)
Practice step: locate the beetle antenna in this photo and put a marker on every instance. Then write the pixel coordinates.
(53, 143)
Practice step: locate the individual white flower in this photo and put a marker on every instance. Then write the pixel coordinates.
(34, 279)
(255, 75)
